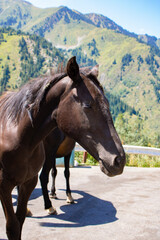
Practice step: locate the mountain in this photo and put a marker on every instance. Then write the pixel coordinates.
(129, 63)
(23, 15)
(104, 22)
(15, 13)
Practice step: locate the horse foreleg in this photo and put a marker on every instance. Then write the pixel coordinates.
(24, 193)
(54, 174)
(28, 213)
(44, 178)
(67, 176)
(12, 223)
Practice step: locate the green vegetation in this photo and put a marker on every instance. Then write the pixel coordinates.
(131, 130)
(138, 160)
(118, 107)
(78, 156)
(5, 78)
(132, 160)
(126, 59)
(24, 56)
(82, 58)
(140, 61)
(93, 48)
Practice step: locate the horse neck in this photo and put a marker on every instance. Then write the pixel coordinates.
(45, 120)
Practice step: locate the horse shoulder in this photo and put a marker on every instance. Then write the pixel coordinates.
(8, 138)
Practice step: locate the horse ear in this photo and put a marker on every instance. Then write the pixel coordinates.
(73, 69)
(95, 71)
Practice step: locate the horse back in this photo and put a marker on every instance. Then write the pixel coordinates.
(65, 147)
(58, 144)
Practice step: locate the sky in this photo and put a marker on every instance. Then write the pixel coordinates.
(138, 16)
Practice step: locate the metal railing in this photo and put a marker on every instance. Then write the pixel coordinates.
(129, 149)
(141, 150)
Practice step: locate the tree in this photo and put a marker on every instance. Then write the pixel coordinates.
(140, 61)
(126, 59)
(131, 130)
(65, 40)
(5, 78)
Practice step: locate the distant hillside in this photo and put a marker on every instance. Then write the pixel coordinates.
(15, 13)
(23, 15)
(24, 56)
(104, 22)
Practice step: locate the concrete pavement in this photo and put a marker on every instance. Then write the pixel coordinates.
(125, 207)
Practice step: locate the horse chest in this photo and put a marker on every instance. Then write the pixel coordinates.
(22, 164)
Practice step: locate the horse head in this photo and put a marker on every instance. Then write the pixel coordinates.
(83, 114)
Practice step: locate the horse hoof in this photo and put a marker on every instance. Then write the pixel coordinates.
(53, 195)
(28, 213)
(70, 200)
(52, 211)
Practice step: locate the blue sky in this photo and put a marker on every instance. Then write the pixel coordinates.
(139, 16)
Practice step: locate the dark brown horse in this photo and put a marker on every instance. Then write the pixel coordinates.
(75, 103)
(56, 145)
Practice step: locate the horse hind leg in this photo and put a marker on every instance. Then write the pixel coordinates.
(53, 174)
(44, 178)
(70, 199)
(12, 223)
(24, 193)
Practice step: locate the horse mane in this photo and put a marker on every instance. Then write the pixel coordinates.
(13, 105)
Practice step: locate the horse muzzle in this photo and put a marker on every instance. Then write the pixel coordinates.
(111, 170)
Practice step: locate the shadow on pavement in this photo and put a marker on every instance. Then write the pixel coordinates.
(89, 210)
(37, 192)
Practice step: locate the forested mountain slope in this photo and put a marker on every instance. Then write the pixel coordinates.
(24, 56)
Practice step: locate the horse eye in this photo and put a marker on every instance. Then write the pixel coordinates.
(87, 105)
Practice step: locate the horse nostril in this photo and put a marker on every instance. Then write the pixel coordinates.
(117, 161)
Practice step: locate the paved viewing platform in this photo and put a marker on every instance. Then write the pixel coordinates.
(124, 207)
